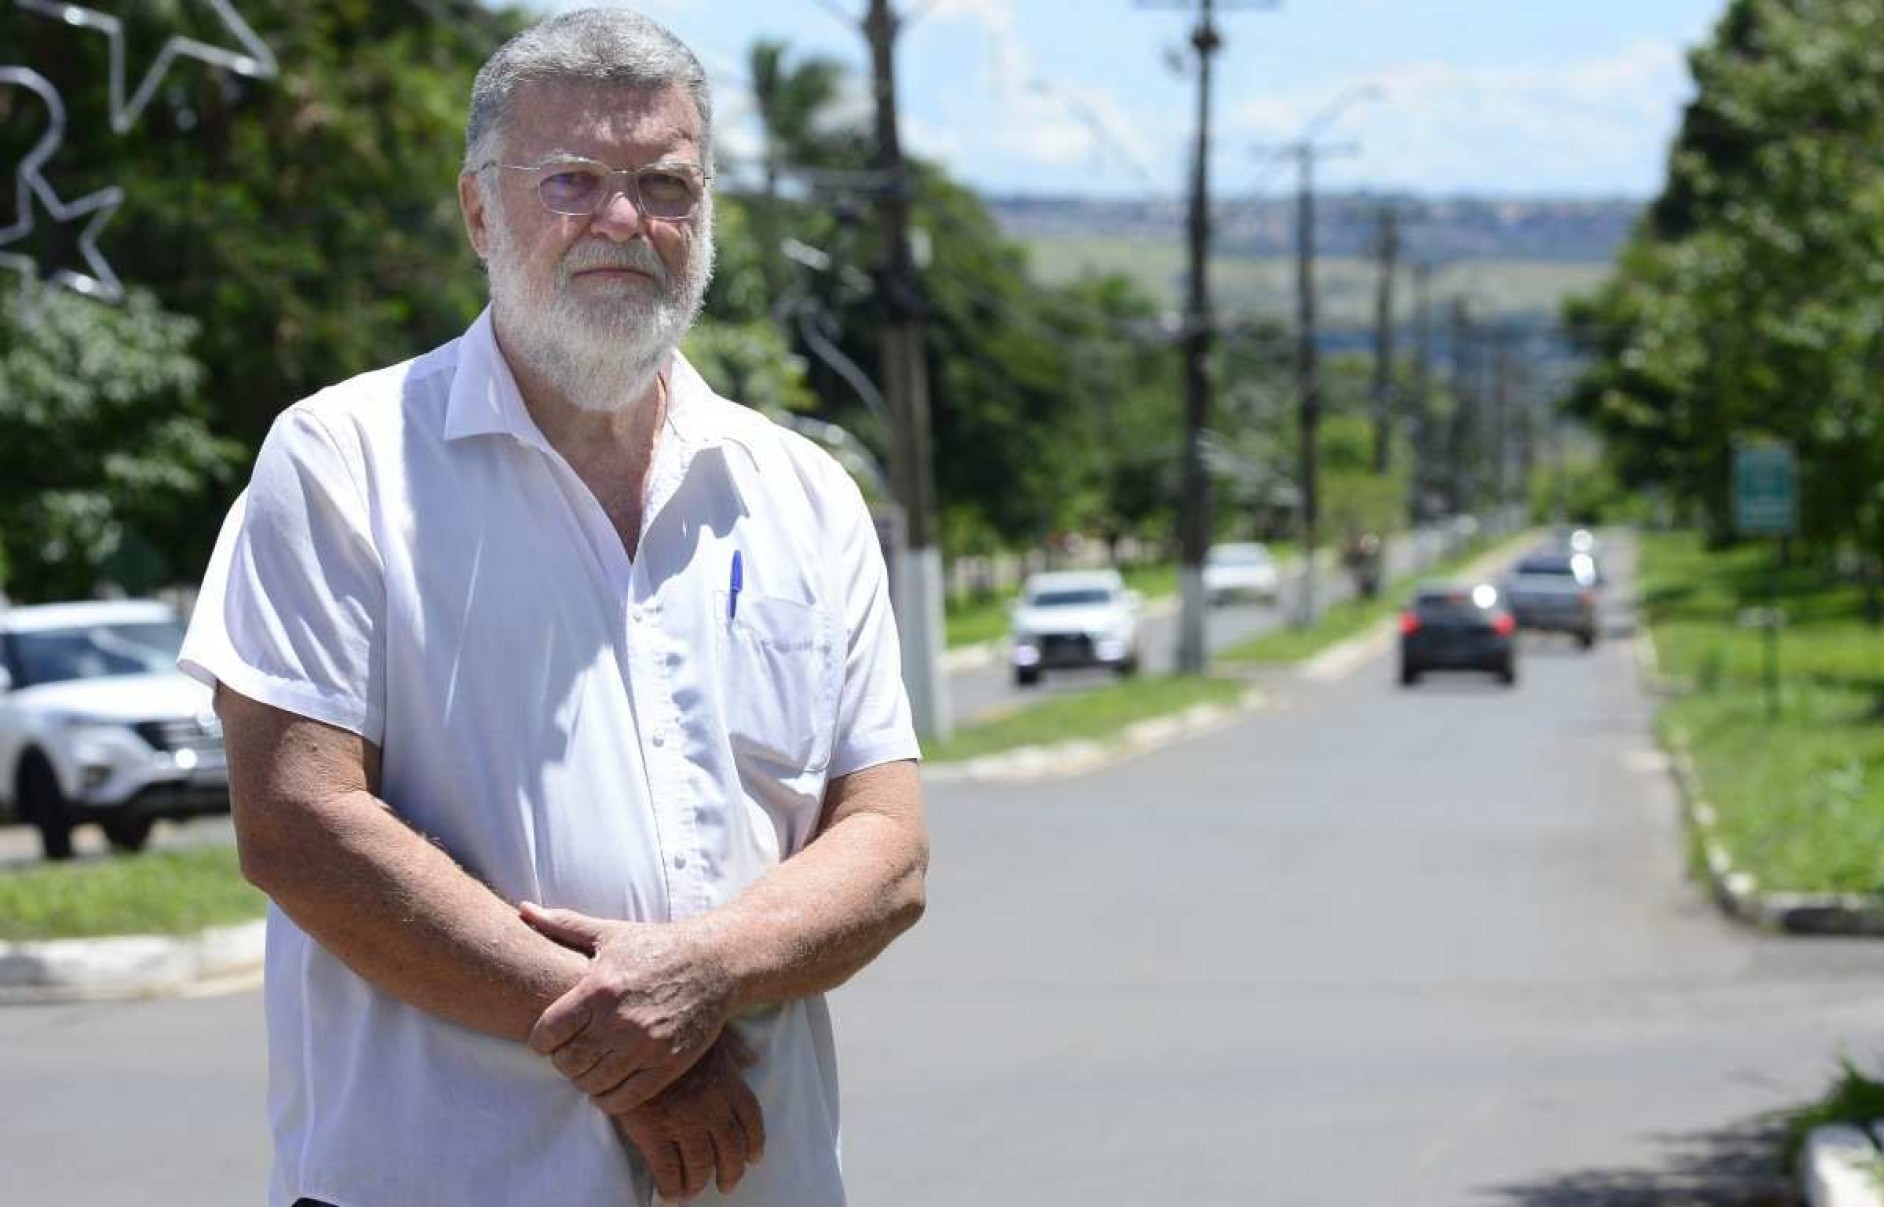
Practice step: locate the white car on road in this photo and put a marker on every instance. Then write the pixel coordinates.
(1240, 570)
(98, 725)
(1074, 618)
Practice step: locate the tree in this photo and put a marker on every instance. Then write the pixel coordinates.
(108, 452)
(309, 223)
(1750, 303)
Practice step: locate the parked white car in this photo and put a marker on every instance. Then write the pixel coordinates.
(98, 725)
(1240, 570)
(1074, 618)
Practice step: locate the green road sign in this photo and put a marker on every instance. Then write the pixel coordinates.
(1766, 491)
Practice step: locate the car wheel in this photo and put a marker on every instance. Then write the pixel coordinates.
(43, 803)
(1409, 676)
(1127, 668)
(128, 834)
(1587, 639)
(1508, 674)
(1026, 676)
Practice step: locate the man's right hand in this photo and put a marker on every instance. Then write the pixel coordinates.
(706, 1125)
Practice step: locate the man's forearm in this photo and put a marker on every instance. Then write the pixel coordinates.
(818, 918)
(400, 913)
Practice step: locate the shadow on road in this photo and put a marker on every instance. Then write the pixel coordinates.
(1733, 1167)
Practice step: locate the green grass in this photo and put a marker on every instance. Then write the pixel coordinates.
(1340, 621)
(971, 621)
(1093, 715)
(1799, 799)
(163, 892)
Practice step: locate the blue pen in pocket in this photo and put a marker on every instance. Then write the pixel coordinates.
(735, 585)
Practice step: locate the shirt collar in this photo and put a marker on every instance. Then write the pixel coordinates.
(485, 400)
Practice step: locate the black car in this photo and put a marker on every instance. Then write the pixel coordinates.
(1458, 627)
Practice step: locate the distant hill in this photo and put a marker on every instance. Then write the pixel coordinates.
(1443, 229)
(1510, 258)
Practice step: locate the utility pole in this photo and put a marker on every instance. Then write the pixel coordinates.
(1387, 247)
(1307, 368)
(905, 372)
(1419, 413)
(1460, 494)
(1501, 368)
(1194, 511)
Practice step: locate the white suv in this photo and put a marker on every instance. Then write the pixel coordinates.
(1074, 618)
(98, 725)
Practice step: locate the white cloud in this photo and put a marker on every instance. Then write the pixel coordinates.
(1601, 123)
(1043, 122)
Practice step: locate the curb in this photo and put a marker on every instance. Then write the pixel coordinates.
(125, 967)
(1027, 764)
(1736, 891)
(1840, 1166)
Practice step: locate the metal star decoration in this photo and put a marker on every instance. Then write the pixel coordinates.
(253, 59)
(34, 190)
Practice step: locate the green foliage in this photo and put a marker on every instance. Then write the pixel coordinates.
(1584, 489)
(309, 223)
(1855, 1098)
(108, 455)
(1751, 301)
(750, 362)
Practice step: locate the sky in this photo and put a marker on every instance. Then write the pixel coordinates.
(1434, 97)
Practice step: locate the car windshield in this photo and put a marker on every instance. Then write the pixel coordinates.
(1071, 597)
(1237, 557)
(1561, 567)
(95, 651)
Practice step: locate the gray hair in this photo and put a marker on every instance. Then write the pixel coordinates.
(589, 45)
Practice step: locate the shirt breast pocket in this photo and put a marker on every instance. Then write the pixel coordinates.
(778, 680)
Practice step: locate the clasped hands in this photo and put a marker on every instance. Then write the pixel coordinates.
(644, 1035)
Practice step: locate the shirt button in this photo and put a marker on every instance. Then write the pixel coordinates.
(673, 660)
(660, 739)
(680, 863)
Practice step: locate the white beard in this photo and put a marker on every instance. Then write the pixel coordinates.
(603, 351)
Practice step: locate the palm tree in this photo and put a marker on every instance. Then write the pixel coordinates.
(793, 101)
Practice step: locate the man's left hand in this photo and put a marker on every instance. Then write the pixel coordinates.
(654, 999)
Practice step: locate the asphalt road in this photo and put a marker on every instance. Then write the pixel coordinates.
(984, 691)
(1430, 947)
(1372, 946)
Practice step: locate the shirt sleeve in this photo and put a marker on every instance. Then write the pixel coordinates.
(873, 718)
(291, 608)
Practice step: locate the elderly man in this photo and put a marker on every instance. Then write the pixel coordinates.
(563, 710)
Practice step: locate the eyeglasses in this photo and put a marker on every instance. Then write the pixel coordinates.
(579, 187)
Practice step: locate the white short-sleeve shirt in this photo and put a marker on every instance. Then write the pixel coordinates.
(637, 740)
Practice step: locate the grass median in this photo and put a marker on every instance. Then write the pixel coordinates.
(159, 892)
(1799, 798)
(1088, 716)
